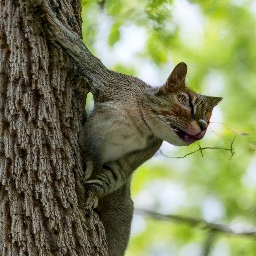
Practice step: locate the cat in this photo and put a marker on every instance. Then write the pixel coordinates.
(127, 126)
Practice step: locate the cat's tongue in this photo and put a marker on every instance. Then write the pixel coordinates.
(200, 135)
(192, 138)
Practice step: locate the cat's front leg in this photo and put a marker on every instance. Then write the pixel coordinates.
(113, 175)
(110, 177)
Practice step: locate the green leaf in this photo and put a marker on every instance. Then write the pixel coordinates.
(114, 35)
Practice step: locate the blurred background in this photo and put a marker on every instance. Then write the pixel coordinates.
(217, 40)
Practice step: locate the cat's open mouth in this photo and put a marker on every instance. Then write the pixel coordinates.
(188, 138)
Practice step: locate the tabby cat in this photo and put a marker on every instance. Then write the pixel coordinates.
(129, 122)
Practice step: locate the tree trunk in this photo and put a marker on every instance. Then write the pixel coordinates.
(41, 175)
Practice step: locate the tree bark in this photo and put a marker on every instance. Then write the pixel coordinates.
(41, 104)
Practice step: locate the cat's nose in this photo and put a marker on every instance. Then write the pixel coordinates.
(203, 125)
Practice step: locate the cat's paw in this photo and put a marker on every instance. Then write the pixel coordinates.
(91, 197)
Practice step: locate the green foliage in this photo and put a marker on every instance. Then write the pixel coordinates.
(217, 41)
(114, 35)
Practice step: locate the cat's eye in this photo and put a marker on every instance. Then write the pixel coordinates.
(183, 99)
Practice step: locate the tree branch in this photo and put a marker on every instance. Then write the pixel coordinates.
(87, 64)
(201, 149)
(194, 222)
(209, 243)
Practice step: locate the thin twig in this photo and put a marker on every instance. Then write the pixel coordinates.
(201, 149)
(209, 243)
(196, 222)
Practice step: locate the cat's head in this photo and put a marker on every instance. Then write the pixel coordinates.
(181, 116)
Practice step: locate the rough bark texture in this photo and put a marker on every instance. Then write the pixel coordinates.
(40, 164)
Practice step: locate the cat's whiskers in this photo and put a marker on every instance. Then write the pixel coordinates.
(226, 127)
(215, 133)
(223, 138)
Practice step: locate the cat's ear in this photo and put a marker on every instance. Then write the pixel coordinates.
(176, 79)
(213, 101)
